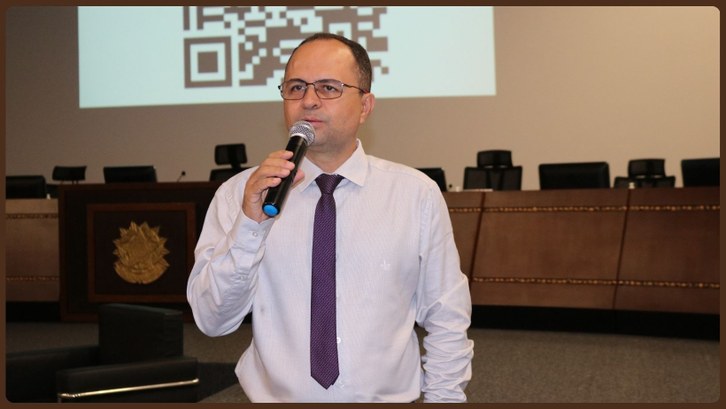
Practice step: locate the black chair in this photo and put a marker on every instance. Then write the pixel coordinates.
(494, 158)
(72, 174)
(701, 172)
(622, 182)
(139, 358)
(645, 173)
(129, 174)
(493, 178)
(646, 168)
(234, 155)
(438, 175)
(662, 181)
(62, 174)
(575, 175)
(220, 175)
(25, 187)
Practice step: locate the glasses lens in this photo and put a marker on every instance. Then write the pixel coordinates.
(328, 89)
(293, 89)
(325, 89)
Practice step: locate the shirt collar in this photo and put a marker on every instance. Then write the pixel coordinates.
(355, 169)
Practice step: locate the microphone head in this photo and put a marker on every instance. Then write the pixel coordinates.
(304, 130)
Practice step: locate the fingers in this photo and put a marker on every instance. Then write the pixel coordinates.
(269, 174)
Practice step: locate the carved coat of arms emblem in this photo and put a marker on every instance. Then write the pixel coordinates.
(140, 252)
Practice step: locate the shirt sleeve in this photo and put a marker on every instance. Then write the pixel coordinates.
(443, 310)
(223, 280)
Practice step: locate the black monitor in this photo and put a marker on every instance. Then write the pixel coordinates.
(25, 187)
(493, 178)
(129, 174)
(701, 172)
(578, 175)
(438, 175)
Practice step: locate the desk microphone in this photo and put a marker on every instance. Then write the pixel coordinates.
(181, 175)
(302, 134)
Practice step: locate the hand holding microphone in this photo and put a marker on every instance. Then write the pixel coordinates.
(302, 134)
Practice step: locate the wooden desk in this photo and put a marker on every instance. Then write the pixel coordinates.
(549, 248)
(31, 249)
(465, 210)
(128, 243)
(670, 256)
(642, 249)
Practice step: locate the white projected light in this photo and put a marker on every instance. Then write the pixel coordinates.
(140, 56)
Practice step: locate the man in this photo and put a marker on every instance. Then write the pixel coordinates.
(395, 260)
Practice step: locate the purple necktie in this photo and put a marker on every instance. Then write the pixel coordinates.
(323, 343)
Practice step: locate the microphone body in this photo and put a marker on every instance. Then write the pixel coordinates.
(302, 134)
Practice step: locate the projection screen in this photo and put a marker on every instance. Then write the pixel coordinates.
(145, 56)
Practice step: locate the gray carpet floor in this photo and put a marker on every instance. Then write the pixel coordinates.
(510, 365)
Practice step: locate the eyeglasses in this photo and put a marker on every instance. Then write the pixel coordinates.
(324, 89)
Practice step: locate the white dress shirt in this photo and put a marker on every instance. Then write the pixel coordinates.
(397, 265)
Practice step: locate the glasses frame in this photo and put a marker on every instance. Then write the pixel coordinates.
(315, 87)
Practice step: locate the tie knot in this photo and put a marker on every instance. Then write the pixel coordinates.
(327, 183)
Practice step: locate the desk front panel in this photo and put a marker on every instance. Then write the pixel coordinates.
(549, 248)
(670, 255)
(128, 243)
(31, 249)
(465, 209)
(640, 249)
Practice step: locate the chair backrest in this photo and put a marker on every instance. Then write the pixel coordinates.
(129, 174)
(69, 173)
(234, 154)
(494, 158)
(659, 181)
(493, 178)
(576, 175)
(129, 333)
(438, 175)
(701, 172)
(646, 168)
(25, 187)
(222, 174)
(622, 182)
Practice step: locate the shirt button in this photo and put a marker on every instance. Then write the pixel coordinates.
(255, 234)
(337, 340)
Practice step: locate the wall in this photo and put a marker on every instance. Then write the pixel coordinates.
(573, 83)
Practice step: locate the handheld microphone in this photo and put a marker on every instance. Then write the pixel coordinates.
(181, 175)
(302, 134)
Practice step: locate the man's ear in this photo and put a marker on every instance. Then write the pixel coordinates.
(367, 104)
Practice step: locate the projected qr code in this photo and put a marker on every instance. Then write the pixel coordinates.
(236, 46)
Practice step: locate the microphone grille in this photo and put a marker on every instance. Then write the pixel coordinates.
(303, 129)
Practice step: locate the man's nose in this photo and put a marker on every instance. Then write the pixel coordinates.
(310, 97)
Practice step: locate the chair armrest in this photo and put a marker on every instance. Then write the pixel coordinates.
(30, 375)
(159, 380)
